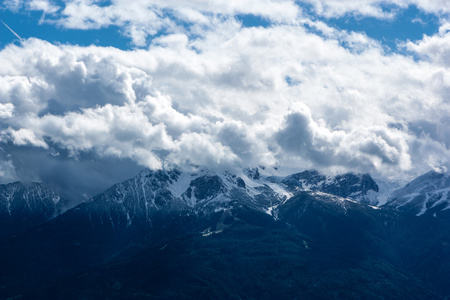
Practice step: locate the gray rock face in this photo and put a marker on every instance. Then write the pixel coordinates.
(350, 185)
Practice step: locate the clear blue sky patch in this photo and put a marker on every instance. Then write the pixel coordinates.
(26, 25)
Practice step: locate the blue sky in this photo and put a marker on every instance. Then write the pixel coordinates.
(27, 25)
(410, 23)
(337, 86)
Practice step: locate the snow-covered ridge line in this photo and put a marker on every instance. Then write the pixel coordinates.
(208, 190)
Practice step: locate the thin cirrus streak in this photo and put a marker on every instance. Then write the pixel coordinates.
(13, 32)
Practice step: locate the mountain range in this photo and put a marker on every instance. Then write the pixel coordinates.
(172, 234)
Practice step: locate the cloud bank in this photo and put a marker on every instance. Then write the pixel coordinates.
(215, 93)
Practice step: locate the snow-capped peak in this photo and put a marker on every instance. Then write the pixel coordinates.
(427, 193)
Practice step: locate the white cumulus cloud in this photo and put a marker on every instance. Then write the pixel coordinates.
(229, 96)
